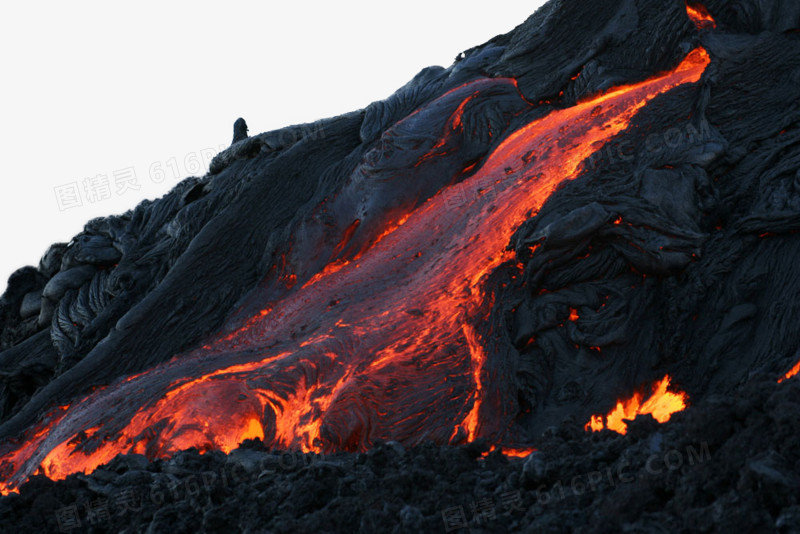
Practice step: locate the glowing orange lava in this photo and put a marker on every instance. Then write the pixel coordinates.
(518, 453)
(794, 371)
(661, 404)
(388, 347)
(511, 452)
(700, 16)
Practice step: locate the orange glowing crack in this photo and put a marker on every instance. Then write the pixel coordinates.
(348, 234)
(794, 371)
(455, 125)
(661, 404)
(471, 422)
(700, 16)
(511, 452)
(518, 453)
(389, 229)
(327, 270)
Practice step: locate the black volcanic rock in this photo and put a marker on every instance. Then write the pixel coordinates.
(674, 252)
(239, 130)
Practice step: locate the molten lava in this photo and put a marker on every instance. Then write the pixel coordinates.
(794, 371)
(700, 16)
(661, 404)
(518, 453)
(381, 344)
(509, 452)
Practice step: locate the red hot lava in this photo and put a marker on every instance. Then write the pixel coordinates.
(661, 404)
(363, 350)
(794, 371)
(700, 16)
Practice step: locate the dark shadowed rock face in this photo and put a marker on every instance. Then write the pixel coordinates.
(239, 130)
(504, 241)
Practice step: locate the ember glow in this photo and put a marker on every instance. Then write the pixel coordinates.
(517, 453)
(700, 16)
(794, 371)
(383, 341)
(661, 404)
(510, 452)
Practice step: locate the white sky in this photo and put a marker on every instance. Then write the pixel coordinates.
(94, 88)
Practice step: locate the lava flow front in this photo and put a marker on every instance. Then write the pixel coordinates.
(661, 404)
(794, 371)
(364, 350)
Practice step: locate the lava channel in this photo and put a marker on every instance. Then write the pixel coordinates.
(383, 347)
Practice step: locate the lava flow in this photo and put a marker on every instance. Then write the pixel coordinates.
(794, 371)
(661, 404)
(365, 351)
(700, 16)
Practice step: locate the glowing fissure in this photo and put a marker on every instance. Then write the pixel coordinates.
(511, 452)
(700, 16)
(794, 371)
(361, 352)
(471, 422)
(661, 404)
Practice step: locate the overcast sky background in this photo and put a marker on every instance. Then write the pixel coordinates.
(104, 92)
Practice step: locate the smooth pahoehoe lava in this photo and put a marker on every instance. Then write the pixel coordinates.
(380, 343)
